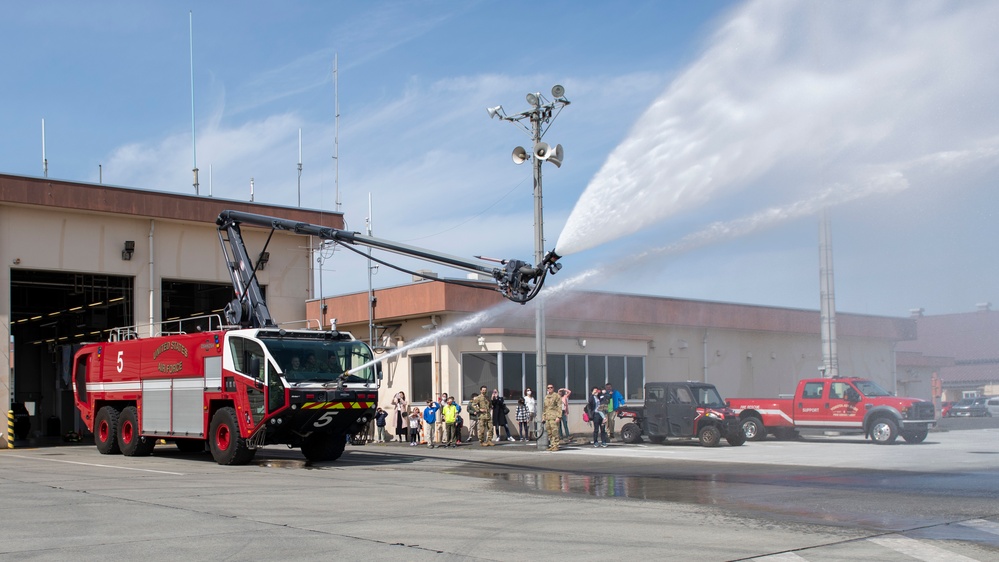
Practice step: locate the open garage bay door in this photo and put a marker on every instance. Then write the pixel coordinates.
(53, 312)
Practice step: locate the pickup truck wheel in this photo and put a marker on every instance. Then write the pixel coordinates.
(884, 431)
(106, 431)
(753, 428)
(916, 436)
(709, 436)
(631, 433)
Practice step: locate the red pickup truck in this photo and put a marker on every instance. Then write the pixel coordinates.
(844, 405)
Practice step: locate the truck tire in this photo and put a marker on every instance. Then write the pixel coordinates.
(709, 436)
(323, 447)
(129, 441)
(883, 431)
(106, 431)
(736, 439)
(753, 428)
(915, 436)
(631, 433)
(226, 445)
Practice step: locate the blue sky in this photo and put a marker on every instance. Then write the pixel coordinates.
(700, 139)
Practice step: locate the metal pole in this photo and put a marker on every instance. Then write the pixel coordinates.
(539, 256)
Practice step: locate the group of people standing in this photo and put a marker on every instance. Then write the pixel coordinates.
(600, 408)
(488, 414)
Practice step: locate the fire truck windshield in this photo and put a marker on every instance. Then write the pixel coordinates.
(320, 360)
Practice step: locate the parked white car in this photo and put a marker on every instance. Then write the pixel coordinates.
(993, 405)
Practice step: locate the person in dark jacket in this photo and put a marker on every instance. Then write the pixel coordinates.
(596, 408)
(500, 412)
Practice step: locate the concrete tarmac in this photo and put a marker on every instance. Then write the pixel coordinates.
(822, 499)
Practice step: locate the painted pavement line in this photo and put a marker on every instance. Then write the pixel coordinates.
(98, 465)
(918, 549)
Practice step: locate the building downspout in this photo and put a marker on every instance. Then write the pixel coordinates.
(704, 346)
(152, 279)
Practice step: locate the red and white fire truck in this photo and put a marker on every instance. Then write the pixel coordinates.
(237, 383)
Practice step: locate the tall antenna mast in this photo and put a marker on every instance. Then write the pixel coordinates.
(45, 161)
(194, 149)
(336, 130)
(299, 166)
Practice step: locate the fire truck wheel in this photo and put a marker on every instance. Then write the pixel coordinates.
(323, 447)
(227, 446)
(631, 433)
(916, 436)
(129, 441)
(884, 431)
(709, 436)
(106, 431)
(754, 429)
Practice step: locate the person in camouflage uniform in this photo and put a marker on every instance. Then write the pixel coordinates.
(551, 415)
(481, 407)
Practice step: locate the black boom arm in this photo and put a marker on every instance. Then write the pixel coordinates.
(516, 280)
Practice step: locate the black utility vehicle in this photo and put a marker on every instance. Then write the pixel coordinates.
(682, 410)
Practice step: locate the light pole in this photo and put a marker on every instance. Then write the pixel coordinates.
(540, 115)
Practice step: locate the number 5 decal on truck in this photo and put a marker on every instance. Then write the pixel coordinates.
(324, 419)
(120, 364)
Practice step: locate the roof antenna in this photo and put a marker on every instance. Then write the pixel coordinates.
(194, 149)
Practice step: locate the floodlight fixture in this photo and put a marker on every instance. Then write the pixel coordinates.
(534, 99)
(495, 111)
(558, 91)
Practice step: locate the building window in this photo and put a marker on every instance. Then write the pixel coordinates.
(422, 369)
(478, 370)
(513, 372)
(634, 376)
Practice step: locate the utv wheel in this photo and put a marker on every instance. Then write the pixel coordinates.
(631, 433)
(106, 431)
(736, 439)
(129, 441)
(917, 436)
(709, 436)
(753, 428)
(657, 439)
(884, 431)
(224, 440)
(323, 447)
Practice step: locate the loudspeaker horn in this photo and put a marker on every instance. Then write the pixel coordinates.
(520, 155)
(555, 156)
(542, 151)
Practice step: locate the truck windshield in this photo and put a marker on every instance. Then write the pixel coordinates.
(320, 360)
(708, 397)
(868, 388)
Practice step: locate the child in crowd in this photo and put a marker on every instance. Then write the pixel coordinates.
(523, 417)
(380, 417)
(415, 421)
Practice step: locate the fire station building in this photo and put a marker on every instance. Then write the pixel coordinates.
(82, 259)
(437, 337)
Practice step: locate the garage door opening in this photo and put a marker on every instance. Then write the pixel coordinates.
(52, 314)
(192, 299)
